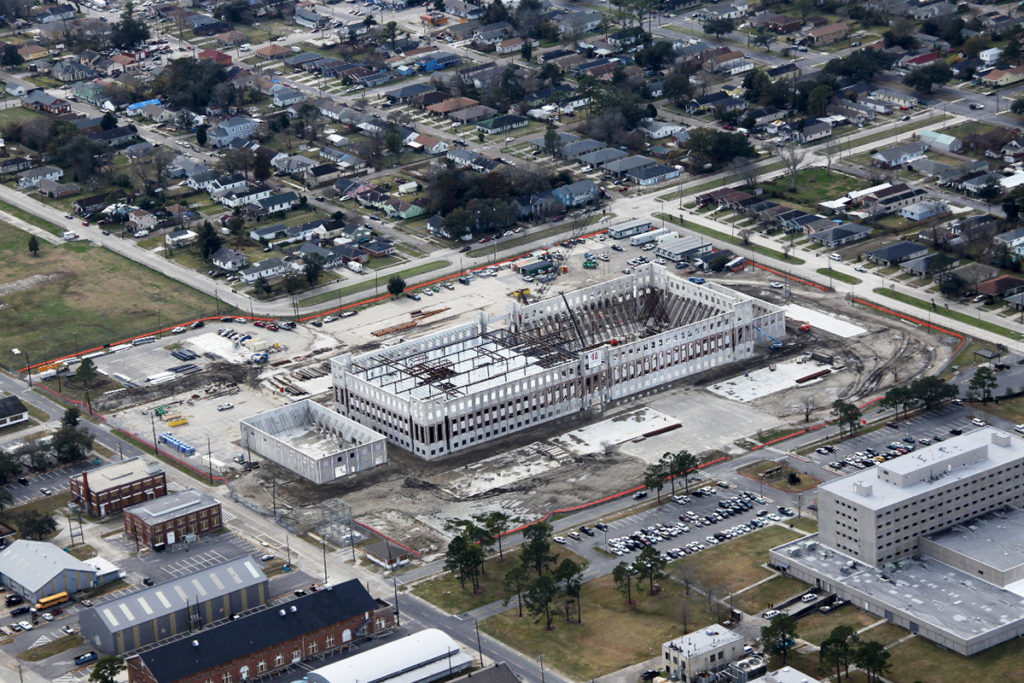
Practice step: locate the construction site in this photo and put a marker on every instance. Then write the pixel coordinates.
(725, 362)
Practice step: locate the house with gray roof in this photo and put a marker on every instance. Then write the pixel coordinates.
(840, 234)
(599, 157)
(896, 253)
(624, 166)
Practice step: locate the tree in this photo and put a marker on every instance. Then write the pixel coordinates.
(846, 413)
(552, 141)
(209, 241)
(710, 149)
(526, 51)
(106, 669)
(85, 374)
(261, 168)
(983, 383)
(622, 577)
(654, 478)
(539, 596)
(535, 552)
(818, 100)
(71, 443)
(201, 135)
(872, 657)
(33, 245)
(897, 398)
(792, 156)
(838, 649)
(808, 404)
(685, 464)
(649, 565)
(10, 467)
(34, 525)
(396, 285)
(719, 27)
(454, 557)
(496, 523)
(6, 497)
(129, 31)
(932, 391)
(570, 574)
(989, 192)
(313, 268)
(778, 635)
(389, 32)
(393, 139)
(109, 121)
(1017, 107)
(924, 78)
(516, 579)
(10, 56)
(833, 147)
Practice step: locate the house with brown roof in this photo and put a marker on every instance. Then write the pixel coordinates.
(1000, 77)
(215, 56)
(451, 104)
(1001, 286)
(826, 35)
(125, 61)
(231, 38)
(271, 52)
(30, 51)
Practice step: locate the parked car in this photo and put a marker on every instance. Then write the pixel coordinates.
(86, 658)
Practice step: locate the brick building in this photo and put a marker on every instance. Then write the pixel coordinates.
(114, 487)
(170, 518)
(267, 641)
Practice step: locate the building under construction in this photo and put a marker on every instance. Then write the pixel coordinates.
(471, 384)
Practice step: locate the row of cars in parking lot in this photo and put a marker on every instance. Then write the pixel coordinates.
(871, 456)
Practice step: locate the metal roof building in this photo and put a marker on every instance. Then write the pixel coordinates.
(265, 642)
(34, 569)
(178, 606)
(429, 655)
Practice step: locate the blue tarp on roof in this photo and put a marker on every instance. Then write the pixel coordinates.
(146, 103)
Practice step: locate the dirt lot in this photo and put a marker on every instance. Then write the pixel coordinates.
(535, 471)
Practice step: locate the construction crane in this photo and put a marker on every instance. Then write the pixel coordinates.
(575, 323)
(575, 232)
(776, 343)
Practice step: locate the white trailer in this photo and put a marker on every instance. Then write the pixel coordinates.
(649, 236)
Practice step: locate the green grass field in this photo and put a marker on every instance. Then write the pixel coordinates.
(735, 564)
(612, 635)
(771, 592)
(817, 627)
(941, 312)
(369, 284)
(80, 297)
(813, 185)
(841, 277)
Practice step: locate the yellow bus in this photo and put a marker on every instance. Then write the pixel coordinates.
(53, 600)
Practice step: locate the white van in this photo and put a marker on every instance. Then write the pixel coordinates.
(810, 597)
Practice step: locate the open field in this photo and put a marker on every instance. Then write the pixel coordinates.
(612, 635)
(921, 660)
(82, 297)
(813, 185)
(445, 591)
(804, 524)
(381, 283)
(780, 481)
(734, 564)
(771, 592)
(817, 627)
(836, 275)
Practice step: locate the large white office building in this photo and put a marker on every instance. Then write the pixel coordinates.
(468, 385)
(930, 541)
(879, 515)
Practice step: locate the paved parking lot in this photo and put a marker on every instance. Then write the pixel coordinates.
(928, 425)
(55, 480)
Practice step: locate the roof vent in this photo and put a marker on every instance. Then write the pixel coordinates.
(1001, 439)
(281, 612)
(195, 643)
(294, 609)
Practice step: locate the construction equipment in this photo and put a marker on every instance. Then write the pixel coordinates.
(259, 358)
(590, 264)
(776, 343)
(523, 295)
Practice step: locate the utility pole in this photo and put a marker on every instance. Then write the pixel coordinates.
(152, 422)
(209, 459)
(479, 647)
(323, 544)
(28, 364)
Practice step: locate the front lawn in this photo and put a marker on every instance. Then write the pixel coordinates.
(735, 564)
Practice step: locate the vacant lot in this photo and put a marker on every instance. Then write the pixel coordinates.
(612, 634)
(921, 660)
(813, 185)
(735, 564)
(446, 592)
(82, 297)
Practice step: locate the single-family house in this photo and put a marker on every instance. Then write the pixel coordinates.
(1013, 240)
(40, 100)
(235, 128)
(501, 124)
(997, 78)
(657, 130)
(321, 174)
(924, 210)
(283, 201)
(378, 248)
(427, 144)
(55, 190)
(285, 96)
(940, 142)
(180, 238)
(826, 35)
(229, 259)
(809, 130)
(896, 253)
(70, 70)
(576, 194)
(31, 177)
(272, 267)
(900, 155)
(839, 235)
(14, 164)
(652, 174)
(141, 220)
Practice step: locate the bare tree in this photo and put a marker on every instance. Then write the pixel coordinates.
(792, 155)
(807, 402)
(833, 147)
(745, 169)
(745, 236)
(683, 614)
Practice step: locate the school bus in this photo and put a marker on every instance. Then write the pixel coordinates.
(53, 600)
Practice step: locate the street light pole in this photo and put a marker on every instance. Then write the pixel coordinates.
(541, 658)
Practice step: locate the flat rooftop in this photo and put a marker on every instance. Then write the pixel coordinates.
(119, 473)
(172, 506)
(995, 538)
(704, 640)
(928, 469)
(929, 591)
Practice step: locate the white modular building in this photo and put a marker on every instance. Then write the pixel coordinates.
(471, 384)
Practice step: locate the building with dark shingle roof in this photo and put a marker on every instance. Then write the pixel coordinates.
(12, 411)
(266, 641)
